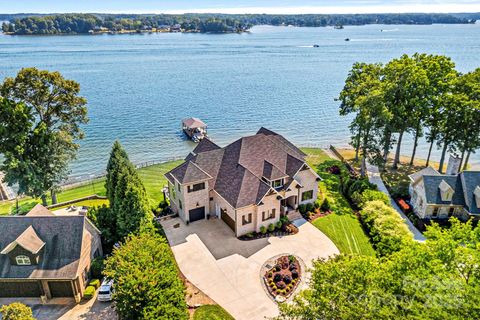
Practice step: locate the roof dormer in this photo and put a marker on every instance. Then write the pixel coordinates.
(477, 196)
(446, 191)
(25, 249)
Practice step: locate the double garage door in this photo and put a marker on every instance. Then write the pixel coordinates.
(32, 289)
(196, 214)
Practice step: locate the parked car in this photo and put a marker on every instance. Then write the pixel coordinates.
(106, 290)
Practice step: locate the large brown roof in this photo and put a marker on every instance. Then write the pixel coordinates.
(237, 169)
(194, 123)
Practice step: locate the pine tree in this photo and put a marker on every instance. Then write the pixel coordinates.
(131, 203)
(118, 157)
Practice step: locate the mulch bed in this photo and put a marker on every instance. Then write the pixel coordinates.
(283, 277)
(316, 214)
(286, 230)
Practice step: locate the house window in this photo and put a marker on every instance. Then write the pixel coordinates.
(196, 187)
(23, 261)
(246, 219)
(277, 183)
(450, 211)
(180, 204)
(435, 211)
(268, 215)
(307, 195)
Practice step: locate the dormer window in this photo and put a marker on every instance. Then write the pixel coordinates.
(446, 191)
(277, 183)
(477, 196)
(23, 260)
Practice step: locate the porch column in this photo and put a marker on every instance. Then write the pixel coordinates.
(46, 289)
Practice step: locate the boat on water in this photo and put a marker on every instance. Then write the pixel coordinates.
(194, 128)
(316, 46)
(347, 39)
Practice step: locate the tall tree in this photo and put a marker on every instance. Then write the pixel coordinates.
(362, 94)
(131, 204)
(16, 311)
(55, 113)
(405, 85)
(147, 285)
(441, 74)
(118, 159)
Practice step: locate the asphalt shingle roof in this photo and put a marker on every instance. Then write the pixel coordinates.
(237, 169)
(470, 180)
(432, 190)
(63, 242)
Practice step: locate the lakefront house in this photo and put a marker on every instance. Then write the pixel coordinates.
(44, 255)
(440, 196)
(248, 184)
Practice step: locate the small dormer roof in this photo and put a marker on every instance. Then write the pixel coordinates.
(445, 187)
(29, 240)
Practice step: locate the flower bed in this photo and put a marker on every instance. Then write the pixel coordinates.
(283, 278)
(282, 228)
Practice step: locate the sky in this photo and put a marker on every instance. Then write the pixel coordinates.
(238, 6)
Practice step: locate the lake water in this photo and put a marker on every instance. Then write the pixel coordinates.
(139, 87)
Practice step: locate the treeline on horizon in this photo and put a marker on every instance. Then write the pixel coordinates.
(83, 23)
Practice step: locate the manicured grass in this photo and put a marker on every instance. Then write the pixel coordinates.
(315, 156)
(151, 176)
(88, 203)
(211, 312)
(342, 226)
(346, 232)
(154, 181)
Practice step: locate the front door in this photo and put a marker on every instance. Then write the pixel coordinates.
(217, 211)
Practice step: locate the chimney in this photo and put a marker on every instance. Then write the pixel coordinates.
(453, 167)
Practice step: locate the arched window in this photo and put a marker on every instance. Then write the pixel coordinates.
(23, 260)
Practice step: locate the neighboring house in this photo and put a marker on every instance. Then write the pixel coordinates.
(247, 184)
(440, 196)
(46, 255)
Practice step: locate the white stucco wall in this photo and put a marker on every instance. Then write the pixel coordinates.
(308, 179)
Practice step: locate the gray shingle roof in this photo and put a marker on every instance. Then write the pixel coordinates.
(237, 169)
(432, 191)
(414, 177)
(470, 180)
(28, 240)
(205, 145)
(63, 242)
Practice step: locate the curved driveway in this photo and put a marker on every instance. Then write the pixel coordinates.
(228, 270)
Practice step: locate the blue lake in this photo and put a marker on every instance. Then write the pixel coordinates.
(139, 87)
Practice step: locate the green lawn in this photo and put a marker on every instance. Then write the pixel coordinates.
(342, 226)
(152, 177)
(211, 312)
(346, 232)
(88, 203)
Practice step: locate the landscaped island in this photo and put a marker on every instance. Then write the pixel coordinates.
(22, 24)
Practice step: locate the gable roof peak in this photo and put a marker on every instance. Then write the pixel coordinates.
(29, 240)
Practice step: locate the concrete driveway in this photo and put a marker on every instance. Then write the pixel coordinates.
(66, 309)
(228, 270)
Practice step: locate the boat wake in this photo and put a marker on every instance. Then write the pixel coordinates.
(390, 30)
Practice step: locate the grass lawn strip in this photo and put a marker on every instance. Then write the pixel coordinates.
(211, 312)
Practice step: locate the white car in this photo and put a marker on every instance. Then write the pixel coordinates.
(106, 290)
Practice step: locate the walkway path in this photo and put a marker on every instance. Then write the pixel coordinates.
(375, 178)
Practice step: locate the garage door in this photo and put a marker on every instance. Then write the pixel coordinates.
(197, 214)
(20, 289)
(60, 289)
(229, 221)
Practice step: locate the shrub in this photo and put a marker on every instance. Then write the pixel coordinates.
(163, 204)
(284, 220)
(291, 258)
(287, 289)
(94, 283)
(271, 227)
(278, 267)
(277, 277)
(281, 285)
(309, 207)
(89, 293)
(293, 266)
(361, 199)
(385, 227)
(269, 274)
(96, 267)
(294, 274)
(359, 185)
(278, 225)
(400, 191)
(249, 235)
(263, 230)
(325, 205)
(317, 204)
(279, 291)
(302, 208)
(16, 311)
(287, 279)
